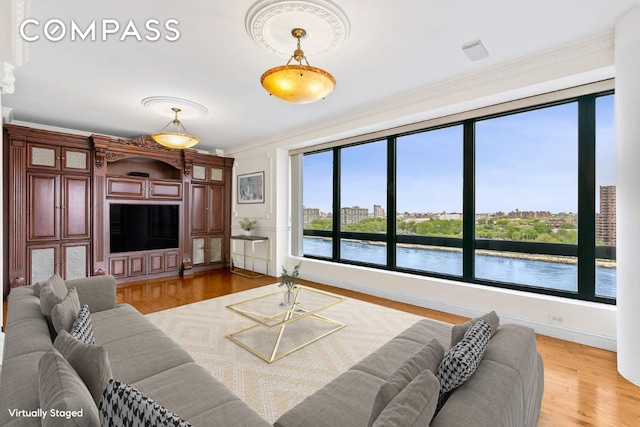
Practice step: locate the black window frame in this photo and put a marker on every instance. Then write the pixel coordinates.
(585, 250)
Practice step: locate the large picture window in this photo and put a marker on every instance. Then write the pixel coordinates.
(523, 199)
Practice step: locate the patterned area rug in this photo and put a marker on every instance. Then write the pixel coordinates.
(272, 389)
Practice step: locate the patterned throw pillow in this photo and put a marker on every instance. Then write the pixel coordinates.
(82, 328)
(462, 360)
(458, 331)
(123, 405)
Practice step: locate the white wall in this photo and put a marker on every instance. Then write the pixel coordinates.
(628, 194)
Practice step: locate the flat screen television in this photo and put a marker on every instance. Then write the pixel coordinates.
(138, 227)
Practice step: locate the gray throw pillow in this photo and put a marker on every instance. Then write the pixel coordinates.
(414, 406)
(90, 361)
(65, 312)
(462, 360)
(57, 283)
(60, 388)
(123, 405)
(427, 358)
(82, 328)
(458, 331)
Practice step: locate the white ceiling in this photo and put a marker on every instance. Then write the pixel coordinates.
(393, 48)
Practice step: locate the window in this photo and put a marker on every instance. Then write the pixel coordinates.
(522, 199)
(527, 191)
(363, 202)
(317, 203)
(429, 201)
(605, 198)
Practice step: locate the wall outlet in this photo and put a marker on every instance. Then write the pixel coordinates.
(556, 319)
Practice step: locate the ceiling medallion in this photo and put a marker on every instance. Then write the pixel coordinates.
(163, 105)
(269, 22)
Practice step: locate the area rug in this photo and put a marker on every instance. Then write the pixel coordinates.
(272, 389)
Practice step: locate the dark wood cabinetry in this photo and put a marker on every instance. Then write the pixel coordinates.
(59, 188)
(49, 190)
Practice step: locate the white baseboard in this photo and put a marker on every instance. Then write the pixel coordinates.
(556, 331)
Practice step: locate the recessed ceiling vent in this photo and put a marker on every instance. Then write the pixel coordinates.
(475, 51)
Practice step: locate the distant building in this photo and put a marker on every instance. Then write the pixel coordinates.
(378, 212)
(309, 214)
(606, 219)
(529, 214)
(449, 216)
(353, 214)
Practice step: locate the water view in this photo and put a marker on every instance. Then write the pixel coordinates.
(538, 273)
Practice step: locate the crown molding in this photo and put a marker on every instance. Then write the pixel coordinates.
(527, 65)
(7, 79)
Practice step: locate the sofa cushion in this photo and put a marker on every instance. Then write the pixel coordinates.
(61, 389)
(49, 298)
(123, 405)
(55, 281)
(414, 406)
(90, 361)
(82, 328)
(458, 331)
(427, 358)
(65, 312)
(462, 360)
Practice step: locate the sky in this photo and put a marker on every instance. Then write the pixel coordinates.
(525, 161)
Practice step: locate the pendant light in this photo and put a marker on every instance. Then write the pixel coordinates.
(178, 140)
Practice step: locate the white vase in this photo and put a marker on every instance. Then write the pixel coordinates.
(247, 232)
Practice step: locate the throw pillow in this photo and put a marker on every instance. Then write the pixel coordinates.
(414, 405)
(427, 358)
(90, 361)
(57, 283)
(61, 389)
(458, 331)
(82, 328)
(66, 311)
(462, 360)
(123, 405)
(49, 299)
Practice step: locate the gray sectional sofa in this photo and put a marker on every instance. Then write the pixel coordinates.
(506, 389)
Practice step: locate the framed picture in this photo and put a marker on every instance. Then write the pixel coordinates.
(251, 188)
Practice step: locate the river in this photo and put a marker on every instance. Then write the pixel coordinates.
(537, 273)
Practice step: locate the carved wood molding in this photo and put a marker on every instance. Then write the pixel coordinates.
(144, 141)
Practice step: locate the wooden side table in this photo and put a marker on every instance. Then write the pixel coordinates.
(250, 240)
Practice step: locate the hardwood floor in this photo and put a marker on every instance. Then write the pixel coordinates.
(582, 385)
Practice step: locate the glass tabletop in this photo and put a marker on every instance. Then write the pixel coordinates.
(270, 310)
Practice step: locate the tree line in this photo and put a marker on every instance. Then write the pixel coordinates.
(531, 230)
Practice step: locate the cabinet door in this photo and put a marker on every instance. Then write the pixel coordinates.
(75, 261)
(156, 262)
(43, 157)
(165, 190)
(198, 250)
(137, 265)
(215, 249)
(118, 266)
(172, 261)
(125, 187)
(42, 262)
(199, 208)
(215, 210)
(44, 207)
(75, 208)
(75, 160)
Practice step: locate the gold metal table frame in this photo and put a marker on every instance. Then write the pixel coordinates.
(253, 240)
(268, 311)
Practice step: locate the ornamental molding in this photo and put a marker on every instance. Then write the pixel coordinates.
(20, 10)
(321, 15)
(144, 141)
(7, 79)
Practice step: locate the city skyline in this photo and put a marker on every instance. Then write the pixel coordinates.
(539, 173)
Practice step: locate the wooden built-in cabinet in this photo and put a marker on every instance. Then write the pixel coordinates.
(59, 188)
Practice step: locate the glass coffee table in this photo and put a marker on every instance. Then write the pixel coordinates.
(279, 329)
